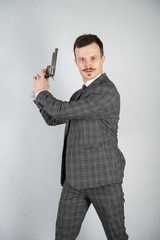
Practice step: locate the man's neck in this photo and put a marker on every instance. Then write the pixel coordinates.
(91, 80)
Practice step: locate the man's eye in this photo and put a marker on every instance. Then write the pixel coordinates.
(93, 58)
(82, 59)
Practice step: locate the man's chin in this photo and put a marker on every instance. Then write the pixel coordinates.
(89, 76)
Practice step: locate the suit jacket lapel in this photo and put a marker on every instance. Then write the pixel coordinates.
(77, 95)
(83, 94)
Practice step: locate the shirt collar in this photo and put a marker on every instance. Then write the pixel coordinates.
(91, 80)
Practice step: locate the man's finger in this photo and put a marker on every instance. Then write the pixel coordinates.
(43, 72)
(34, 77)
(38, 76)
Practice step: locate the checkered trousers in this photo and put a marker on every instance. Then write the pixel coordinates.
(108, 202)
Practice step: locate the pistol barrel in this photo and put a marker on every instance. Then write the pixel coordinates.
(54, 57)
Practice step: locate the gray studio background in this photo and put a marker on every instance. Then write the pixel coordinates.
(30, 155)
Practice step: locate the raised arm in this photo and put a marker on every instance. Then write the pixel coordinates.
(96, 105)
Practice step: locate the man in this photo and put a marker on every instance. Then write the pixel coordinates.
(92, 164)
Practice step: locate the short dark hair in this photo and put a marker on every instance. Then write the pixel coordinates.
(87, 39)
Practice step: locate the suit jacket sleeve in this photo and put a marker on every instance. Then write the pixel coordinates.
(97, 103)
(51, 121)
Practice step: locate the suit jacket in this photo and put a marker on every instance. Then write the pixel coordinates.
(91, 156)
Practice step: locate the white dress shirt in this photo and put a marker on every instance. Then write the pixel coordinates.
(91, 80)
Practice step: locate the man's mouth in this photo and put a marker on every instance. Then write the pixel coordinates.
(90, 70)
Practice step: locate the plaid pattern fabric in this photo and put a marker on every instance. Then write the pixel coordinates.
(108, 202)
(91, 156)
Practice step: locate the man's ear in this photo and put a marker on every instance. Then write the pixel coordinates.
(103, 58)
(75, 61)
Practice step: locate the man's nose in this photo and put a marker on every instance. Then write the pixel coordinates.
(88, 63)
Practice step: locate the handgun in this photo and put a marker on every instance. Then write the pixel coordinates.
(50, 71)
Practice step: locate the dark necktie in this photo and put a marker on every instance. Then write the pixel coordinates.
(83, 87)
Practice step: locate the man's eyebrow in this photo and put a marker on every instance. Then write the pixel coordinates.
(90, 56)
(94, 56)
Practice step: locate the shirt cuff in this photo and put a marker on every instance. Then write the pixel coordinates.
(34, 95)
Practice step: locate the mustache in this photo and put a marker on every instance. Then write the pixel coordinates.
(88, 69)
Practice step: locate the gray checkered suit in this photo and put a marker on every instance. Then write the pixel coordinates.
(91, 157)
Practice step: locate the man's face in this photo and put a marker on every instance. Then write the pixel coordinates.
(89, 61)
